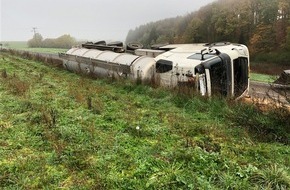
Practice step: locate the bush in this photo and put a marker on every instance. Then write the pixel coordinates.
(64, 41)
(281, 58)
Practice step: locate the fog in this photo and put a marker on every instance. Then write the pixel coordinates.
(85, 19)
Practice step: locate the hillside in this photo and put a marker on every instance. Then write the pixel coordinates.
(61, 130)
(263, 25)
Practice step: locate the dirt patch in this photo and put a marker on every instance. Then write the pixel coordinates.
(266, 104)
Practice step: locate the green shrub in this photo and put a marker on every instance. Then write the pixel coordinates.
(280, 58)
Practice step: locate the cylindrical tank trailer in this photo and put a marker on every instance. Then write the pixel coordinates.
(107, 63)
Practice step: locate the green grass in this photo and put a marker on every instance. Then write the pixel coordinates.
(18, 45)
(61, 130)
(262, 77)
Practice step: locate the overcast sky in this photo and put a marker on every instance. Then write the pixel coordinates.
(85, 19)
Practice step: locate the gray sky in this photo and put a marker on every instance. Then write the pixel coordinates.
(85, 19)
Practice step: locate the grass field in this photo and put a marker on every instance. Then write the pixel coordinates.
(262, 77)
(60, 130)
(18, 45)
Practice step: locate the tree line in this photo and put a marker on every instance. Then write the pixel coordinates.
(64, 41)
(263, 25)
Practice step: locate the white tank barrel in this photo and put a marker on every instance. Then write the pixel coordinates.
(108, 64)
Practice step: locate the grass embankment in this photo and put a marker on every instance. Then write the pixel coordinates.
(60, 130)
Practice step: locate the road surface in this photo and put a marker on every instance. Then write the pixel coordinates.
(270, 92)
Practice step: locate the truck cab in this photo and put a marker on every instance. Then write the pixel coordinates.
(213, 69)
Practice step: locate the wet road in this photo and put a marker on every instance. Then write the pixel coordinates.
(269, 91)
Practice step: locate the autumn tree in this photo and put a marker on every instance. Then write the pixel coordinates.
(287, 45)
(65, 41)
(192, 33)
(260, 24)
(36, 41)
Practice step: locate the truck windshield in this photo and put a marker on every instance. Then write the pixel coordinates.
(198, 56)
(163, 66)
(240, 75)
(218, 77)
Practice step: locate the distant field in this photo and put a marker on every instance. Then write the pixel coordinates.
(20, 45)
(45, 50)
(15, 44)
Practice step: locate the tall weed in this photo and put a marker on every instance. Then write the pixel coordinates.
(272, 177)
(16, 85)
(265, 126)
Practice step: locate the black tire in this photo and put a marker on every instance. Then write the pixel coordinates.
(134, 46)
(116, 43)
(102, 42)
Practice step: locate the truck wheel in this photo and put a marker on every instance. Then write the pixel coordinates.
(134, 46)
(102, 42)
(117, 43)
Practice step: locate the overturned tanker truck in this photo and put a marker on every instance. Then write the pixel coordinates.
(211, 69)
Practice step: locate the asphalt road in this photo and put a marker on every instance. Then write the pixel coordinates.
(270, 91)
